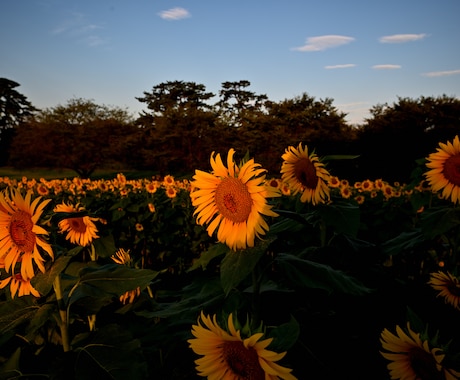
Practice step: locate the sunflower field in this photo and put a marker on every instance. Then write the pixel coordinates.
(233, 273)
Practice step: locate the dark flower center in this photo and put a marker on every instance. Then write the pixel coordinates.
(233, 200)
(424, 365)
(305, 172)
(21, 231)
(242, 361)
(454, 288)
(451, 169)
(77, 225)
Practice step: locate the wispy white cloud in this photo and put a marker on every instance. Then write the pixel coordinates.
(441, 73)
(344, 66)
(74, 21)
(386, 67)
(175, 14)
(83, 29)
(401, 38)
(94, 41)
(324, 42)
(77, 26)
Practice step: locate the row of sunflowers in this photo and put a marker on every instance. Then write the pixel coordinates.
(233, 274)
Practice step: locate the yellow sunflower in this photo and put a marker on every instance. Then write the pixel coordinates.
(448, 287)
(226, 355)
(305, 174)
(233, 201)
(19, 285)
(412, 358)
(80, 230)
(171, 192)
(445, 170)
(21, 238)
(122, 257)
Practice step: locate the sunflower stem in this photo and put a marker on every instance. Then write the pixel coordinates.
(93, 254)
(322, 233)
(63, 325)
(92, 317)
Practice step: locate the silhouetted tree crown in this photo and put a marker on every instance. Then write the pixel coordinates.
(80, 135)
(181, 127)
(14, 109)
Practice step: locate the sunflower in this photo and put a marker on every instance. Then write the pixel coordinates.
(80, 230)
(19, 285)
(122, 257)
(232, 200)
(334, 182)
(445, 170)
(226, 355)
(412, 358)
(305, 174)
(448, 287)
(168, 180)
(171, 192)
(21, 238)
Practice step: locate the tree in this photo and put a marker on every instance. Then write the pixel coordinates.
(14, 109)
(176, 133)
(80, 135)
(238, 106)
(397, 135)
(316, 123)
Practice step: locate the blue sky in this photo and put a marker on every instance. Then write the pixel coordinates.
(359, 53)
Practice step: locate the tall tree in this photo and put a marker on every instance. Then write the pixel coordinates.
(176, 133)
(14, 109)
(238, 106)
(80, 135)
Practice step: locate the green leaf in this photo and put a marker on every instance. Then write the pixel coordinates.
(284, 336)
(111, 352)
(403, 242)
(309, 274)
(236, 266)
(15, 312)
(39, 319)
(292, 222)
(439, 220)
(198, 295)
(110, 280)
(214, 251)
(334, 157)
(10, 369)
(105, 246)
(43, 282)
(343, 216)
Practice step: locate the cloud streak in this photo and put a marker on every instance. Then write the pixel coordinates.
(320, 43)
(386, 67)
(401, 38)
(441, 73)
(344, 66)
(77, 27)
(174, 14)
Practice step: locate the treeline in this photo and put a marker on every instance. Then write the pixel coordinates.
(182, 125)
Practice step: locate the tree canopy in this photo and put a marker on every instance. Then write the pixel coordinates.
(184, 123)
(397, 135)
(80, 135)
